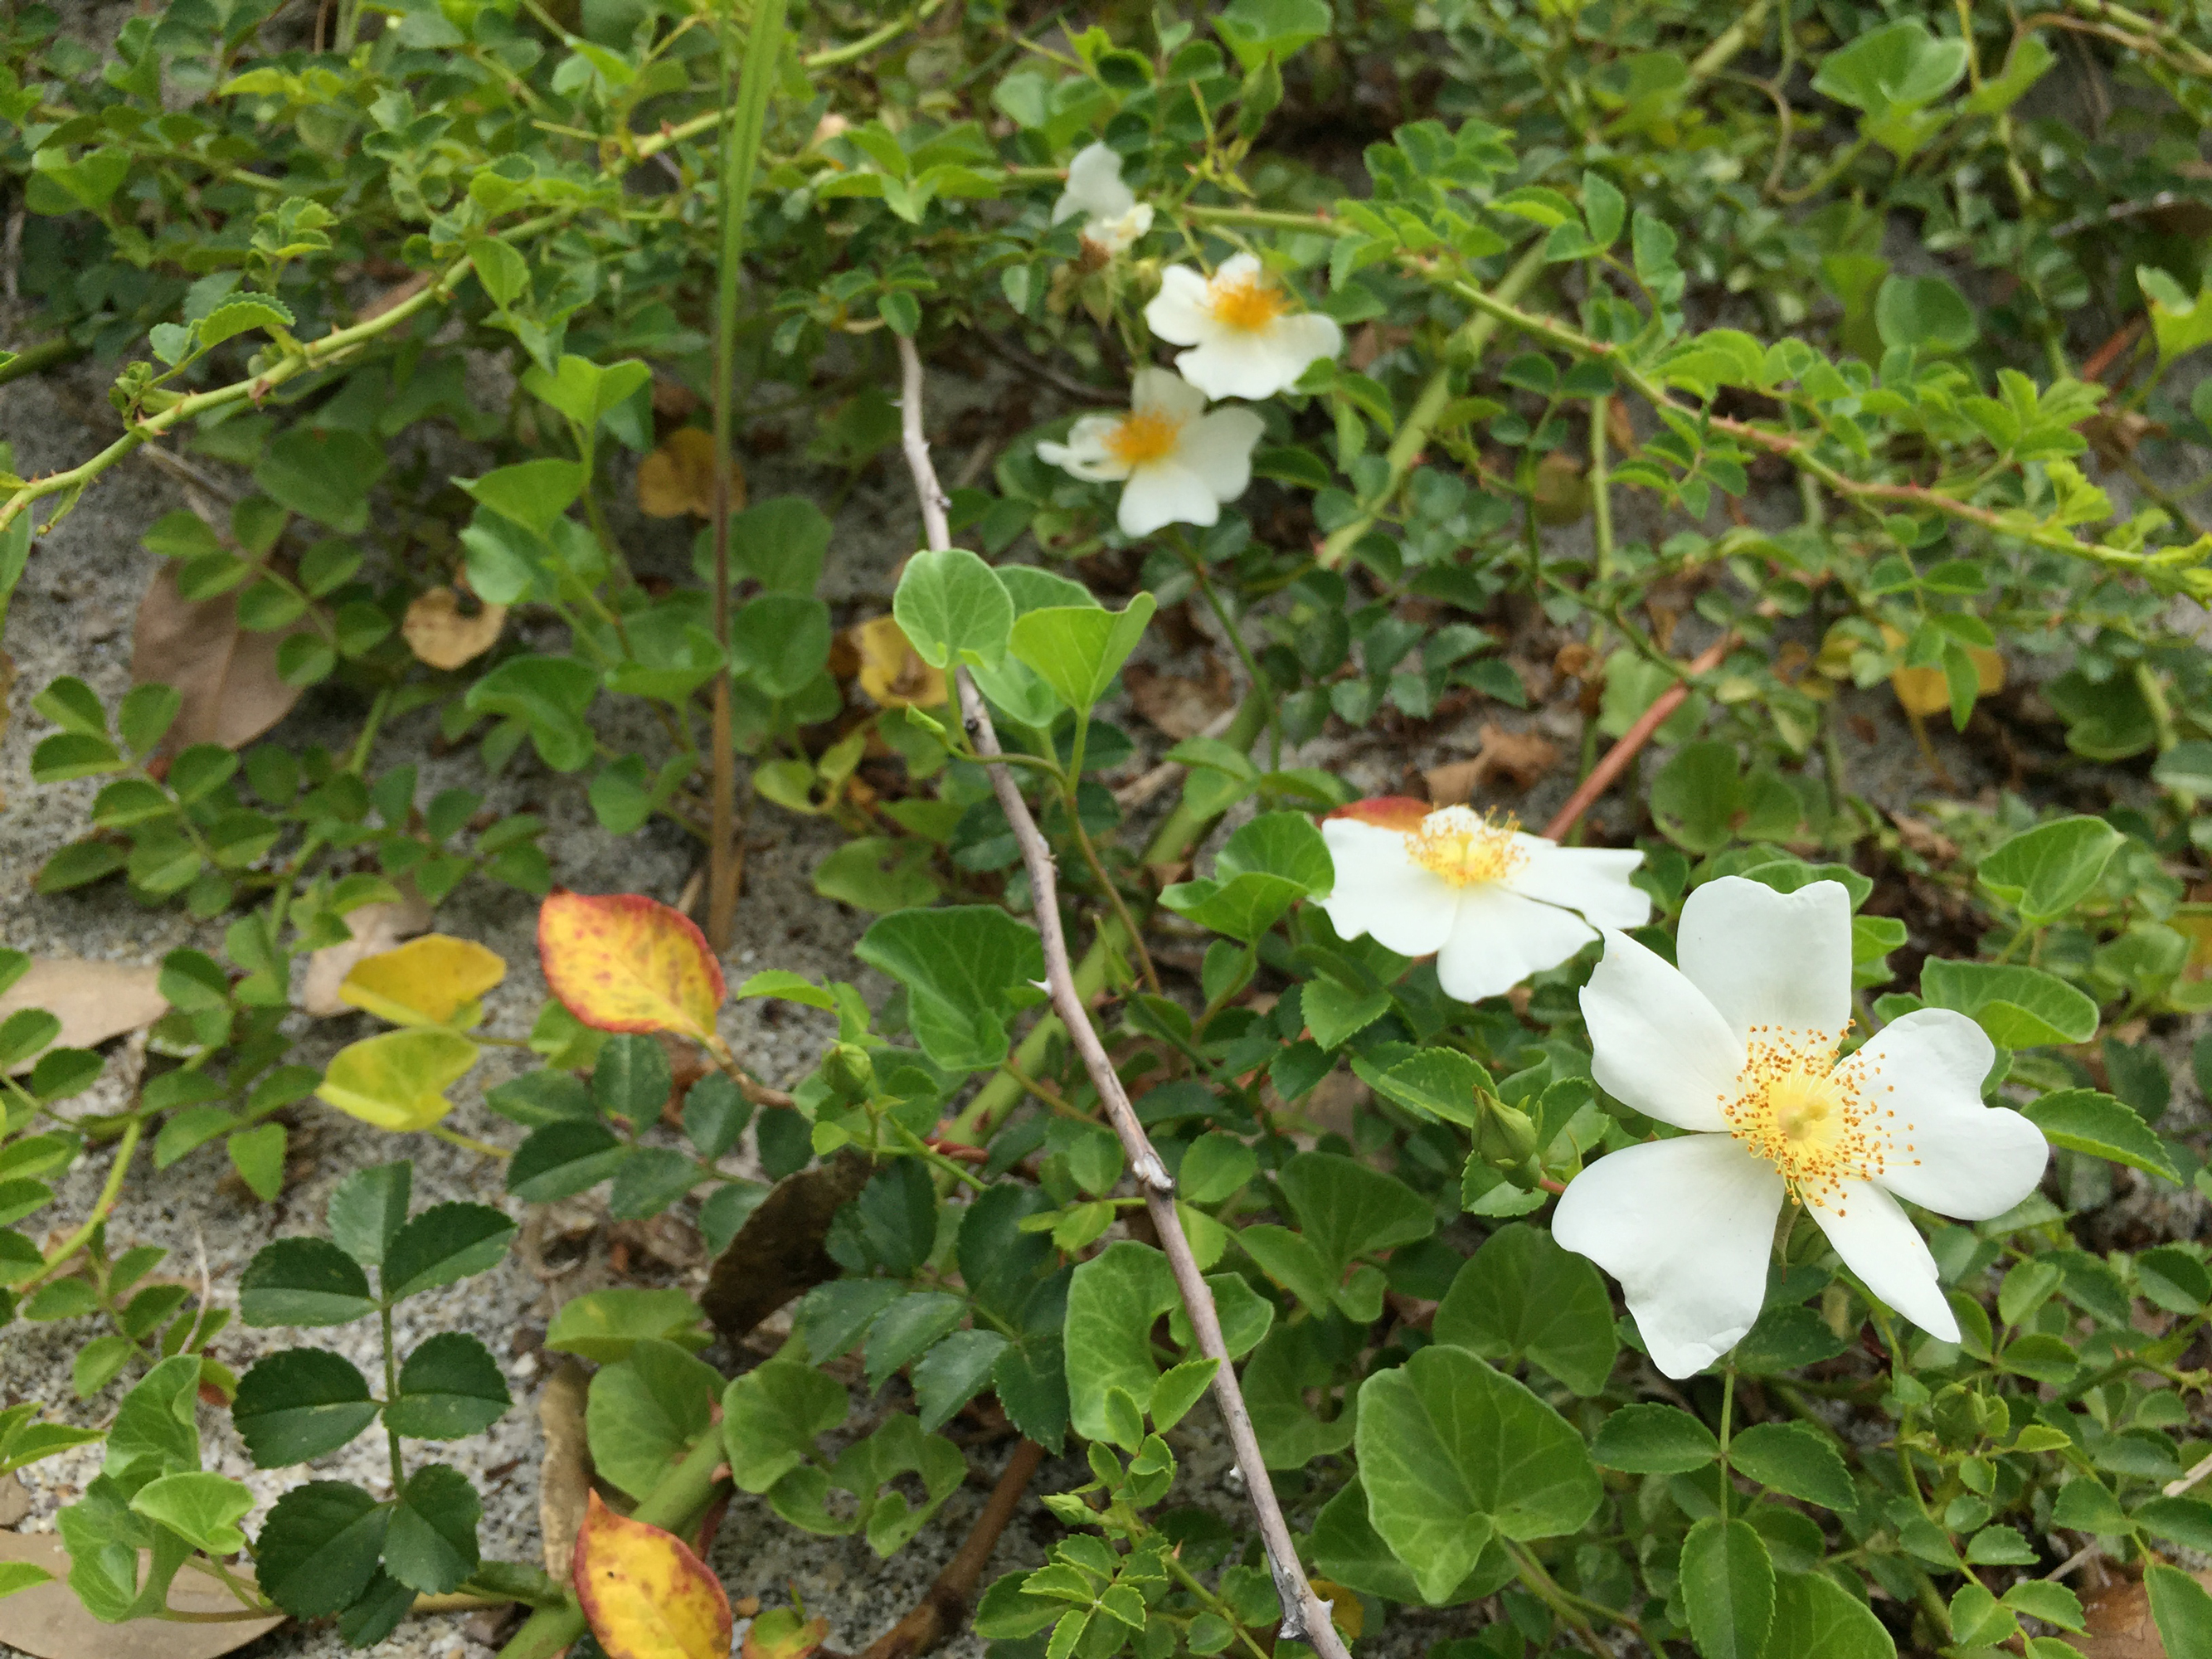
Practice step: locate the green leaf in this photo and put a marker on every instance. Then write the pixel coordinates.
(1794, 1460)
(1257, 30)
(531, 494)
(398, 1081)
(1522, 1296)
(1814, 1615)
(319, 1547)
(1435, 1083)
(450, 1386)
(1926, 313)
(324, 474)
(954, 1372)
(367, 1209)
(1346, 1209)
(1348, 1550)
(2045, 871)
(1453, 1453)
(603, 1326)
(953, 608)
(780, 642)
(1653, 1439)
(298, 1404)
(257, 1155)
(770, 1417)
(1113, 1300)
(2018, 1007)
(1728, 1585)
(780, 543)
(957, 964)
(303, 1281)
(202, 1507)
(1335, 1013)
(1265, 867)
(1078, 649)
(431, 1545)
(235, 315)
(2084, 1121)
(446, 1242)
(583, 390)
(645, 1413)
(787, 986)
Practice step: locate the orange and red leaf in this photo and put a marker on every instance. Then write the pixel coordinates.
(620, 962)
(643, 1592)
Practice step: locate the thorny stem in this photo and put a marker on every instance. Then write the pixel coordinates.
(1305, 1615)
(1602, 776)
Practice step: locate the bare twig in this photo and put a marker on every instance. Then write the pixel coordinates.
(1305, 1615)
(2198, 1471)
(938, 1613)
(1601, 775)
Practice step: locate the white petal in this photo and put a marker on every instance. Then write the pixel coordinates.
(1685, 1226)
(1766, 958)
(1164, 493)
(1880, 1244)
(1655, 1043)
(1086, 453)
(1380, 890)
(1120, 231)
(1236, 269)
(1218, 448)
(1501, 938)
(1594, 880)
(1943, 1149)
(1304, 339)
(1162, 391)
(1094, 186)
(1179, 312)
(1233, 363)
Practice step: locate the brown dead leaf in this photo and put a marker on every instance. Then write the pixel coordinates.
(890, 671)
(227, 676)
(779, 1253)
(1453, 783)
(1924, 838)
(1619, 428)
(679, 477)
(49, 1623)
(1559, 493)
(93, 1000)
(1523, 757)
(1180, 707)
(14, 1501)
(376, 928)
(2118, 1621)
(564, 1475)
(440, 633)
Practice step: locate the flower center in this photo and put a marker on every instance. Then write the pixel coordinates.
(1146, 436)
(1248, 303)
(1467, 847)
(1818, 1125)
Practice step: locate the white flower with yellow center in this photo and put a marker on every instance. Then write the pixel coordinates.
(1247, 337)
(1738, 1044)
(1494, 905)
(1176, 463)
(1113, 217)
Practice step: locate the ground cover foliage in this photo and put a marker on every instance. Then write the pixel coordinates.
(1737, 356)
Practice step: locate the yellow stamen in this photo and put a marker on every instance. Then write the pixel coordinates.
(1249, 303)
(1146, 436)
(1818, 1125)
(1467, 847)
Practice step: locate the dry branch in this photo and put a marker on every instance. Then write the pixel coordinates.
(1305, 1615)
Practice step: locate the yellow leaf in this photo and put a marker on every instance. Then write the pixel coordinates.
(1344, 1611)
(679, 477)
(440, 634)
(644, 1593)
(620, 962)
(424, 981)
(1926, 691)
(398, 1081)
(891, 672)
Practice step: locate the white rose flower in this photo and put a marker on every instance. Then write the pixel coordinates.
(1113, 217)
(1738, 1045)
(1495, 905)
(1177, 463)
(1247, 338)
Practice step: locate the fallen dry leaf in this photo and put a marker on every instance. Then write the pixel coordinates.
(376, 928)
(679, 477)
(14, 1501)
(1923, 691)
(227, 676)
(49, 1623)
(2118, 1621)
(1453, 783)
(93, 1000)
(1924, 838)
(1180, 707)
(440, 633)
(890, 672)
(1520, 757)
(564, 1474)
(779, 1253)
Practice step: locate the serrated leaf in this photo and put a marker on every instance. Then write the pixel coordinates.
(620, 962)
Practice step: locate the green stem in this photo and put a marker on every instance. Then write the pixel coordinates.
(110, 1190)
(1468, 344)
(36, 359)
(1728, 1412)
(1129, 928)
(392, 1392)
